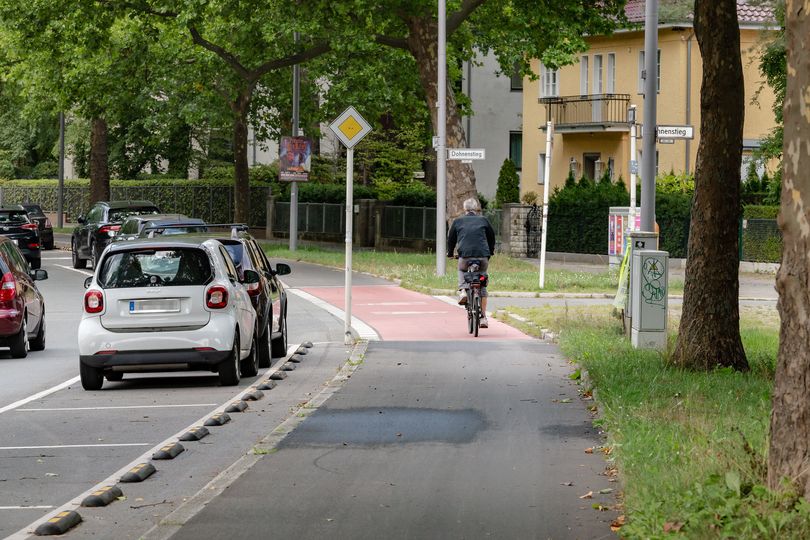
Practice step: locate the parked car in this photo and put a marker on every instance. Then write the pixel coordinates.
(159, 224)
(22, 307)
(167, 303)
(267, 296)
(18, 227)
(36, 215)
(100, 225)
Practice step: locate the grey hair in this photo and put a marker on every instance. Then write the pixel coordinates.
(472, 205)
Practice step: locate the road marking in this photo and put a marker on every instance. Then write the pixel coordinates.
(75, 503)
(25, 507)
(410, 312)
(393, 304)
(364, 331)
(38, 395)
(85, 272)
(70, 446)
(121, 407)
(57, 258)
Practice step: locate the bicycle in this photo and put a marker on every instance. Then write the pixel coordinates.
(475, 281)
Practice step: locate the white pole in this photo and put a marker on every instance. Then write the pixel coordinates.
(294, 187)
(650, 116)
(546, 182)
(347, 323)
(441, 150)
(633, 168)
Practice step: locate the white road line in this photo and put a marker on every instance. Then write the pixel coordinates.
(172, 406)
(71, 446)
(410, 312)
(38, 395)
(74, 504)
(57, 258)
(364, 331)
(85, 272)
(393, 304)
(25, 507)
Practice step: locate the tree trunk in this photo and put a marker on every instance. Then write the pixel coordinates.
(241, 184)
(789, 453)
(99, 169)
(709, 333)
(423, 44)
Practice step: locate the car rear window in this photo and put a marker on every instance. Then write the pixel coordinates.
(155, 268)
(168, 231)
(13, 216)
(236, 251)
(34, 210)
(120, 214)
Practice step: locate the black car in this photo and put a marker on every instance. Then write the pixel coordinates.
(18, 227)
(159, 224)
(268, 296)
(36, 215)
(96, 230)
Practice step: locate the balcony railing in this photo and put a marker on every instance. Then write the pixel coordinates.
(594, 112)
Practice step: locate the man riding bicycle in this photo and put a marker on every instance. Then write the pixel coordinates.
(476, 241)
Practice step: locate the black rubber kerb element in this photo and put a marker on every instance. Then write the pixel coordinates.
(170, 451)
(59, 524)
(103, 496)
(218, 419)
(278, 376)
(237, 406)
(254, 395)
(194, 434)
(267, 385)
(139, 473)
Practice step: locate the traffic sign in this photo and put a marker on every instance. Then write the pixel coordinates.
(465, 154)
(675, 132)
(350, 127)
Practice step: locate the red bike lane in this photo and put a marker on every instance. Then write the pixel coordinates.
(398, 314)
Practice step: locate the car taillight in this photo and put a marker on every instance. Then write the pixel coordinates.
(109, 229)
(94, 301)
(48, 224)
(253, 289)
(33, 245)
(8, 287)
(216, 297)
(106, 353)
(30, 226)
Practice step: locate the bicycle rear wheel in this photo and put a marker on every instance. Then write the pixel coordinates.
(470, 318)
(476, 313)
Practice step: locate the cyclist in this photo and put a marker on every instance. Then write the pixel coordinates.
(476, 241)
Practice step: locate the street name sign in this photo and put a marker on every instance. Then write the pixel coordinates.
(675, 132)
(465, 154)
(350, 127)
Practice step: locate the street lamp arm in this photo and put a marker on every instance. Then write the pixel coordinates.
(454, 20)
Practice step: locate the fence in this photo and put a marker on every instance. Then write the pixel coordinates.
(213, 204)
(761, 240)
(410, 222)
(323, 218)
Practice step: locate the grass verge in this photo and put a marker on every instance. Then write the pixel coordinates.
(417, 271)
(689, 447)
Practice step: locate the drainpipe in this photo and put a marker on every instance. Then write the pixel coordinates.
(688, 96)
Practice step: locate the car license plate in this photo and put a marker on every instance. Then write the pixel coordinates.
(163, 305)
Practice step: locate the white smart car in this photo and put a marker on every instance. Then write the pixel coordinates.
(169, 303)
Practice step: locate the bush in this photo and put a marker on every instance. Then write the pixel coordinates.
(529, 198)
(508, 184)
(219, 172)
(6, 169)
(760, 212)
(414, 194)
(46, 169)
(264, 173)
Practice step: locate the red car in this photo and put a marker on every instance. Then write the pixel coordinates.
(22, 308)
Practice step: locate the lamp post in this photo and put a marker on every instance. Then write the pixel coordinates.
(650, 116)
(294, 186)
(441, 150)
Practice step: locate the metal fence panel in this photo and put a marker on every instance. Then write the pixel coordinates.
(761, 240)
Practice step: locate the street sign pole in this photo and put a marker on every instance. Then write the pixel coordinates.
(347, 297)
(441, 147)
(60, 196)
(633, 167)
(650, 116)
(294, 186)
(546, 176)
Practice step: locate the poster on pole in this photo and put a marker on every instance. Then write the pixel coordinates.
(294, 159)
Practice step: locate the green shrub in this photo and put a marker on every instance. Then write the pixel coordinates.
(529, 198)
(414, 194)
(220, 172)
(264, 173)
(508, 190)
(46, 169)
(6, 169)
(482, 199)
(760, 212)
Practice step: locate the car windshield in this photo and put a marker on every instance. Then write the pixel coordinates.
(34, 210)
(155, 268)
(13, 216)
(120, 214)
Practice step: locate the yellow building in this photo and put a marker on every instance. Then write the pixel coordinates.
(589, 101)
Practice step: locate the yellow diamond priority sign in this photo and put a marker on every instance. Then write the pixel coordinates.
(350, 127)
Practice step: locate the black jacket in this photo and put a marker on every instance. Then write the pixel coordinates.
(474, 235)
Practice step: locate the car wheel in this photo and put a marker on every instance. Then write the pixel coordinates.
(35, 264)
(48, 245)
(263, 347)
(279, 344)
(250, 365)
(229, 369)
(95, 254)
(19, 343)
(114, 376)
(92, 378)
(78, 262)
(38, 343)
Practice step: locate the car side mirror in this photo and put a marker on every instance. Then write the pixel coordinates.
(250, 276)
(88, 281)
(82, 220)
(38, 274)
(282, 269)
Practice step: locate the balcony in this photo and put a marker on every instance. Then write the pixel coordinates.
(583, 114)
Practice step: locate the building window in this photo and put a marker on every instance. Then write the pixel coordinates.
(597, 74)
(611, 73)
(516, 148)
(549, 82)
(583, 76)
(541, 169)
(516, 80)
(641, 72)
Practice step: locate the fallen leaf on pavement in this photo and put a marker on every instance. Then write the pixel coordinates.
(597, 506)
(617, 523)
(589, 450)
(588, 495)
(566, 483)
(606, 491)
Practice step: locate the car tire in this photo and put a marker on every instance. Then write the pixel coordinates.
(114, 376)
(229, 369)
(38, 343)
(95, 254)
(35, 264)
(250, 365)
(19, 343)
(92, 378)
(263, 347)
(48, 245)
(78, 262)
(278, 346)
